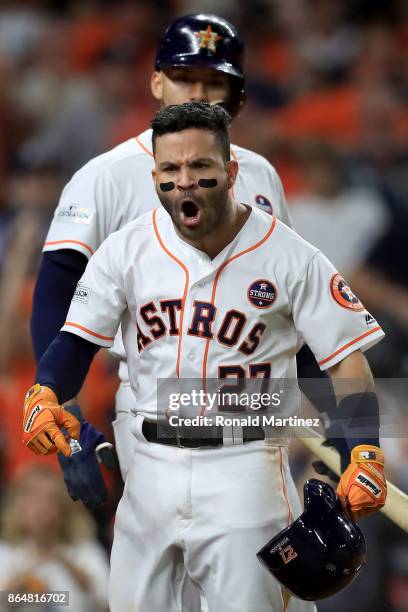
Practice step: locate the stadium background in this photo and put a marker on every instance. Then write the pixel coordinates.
(328, 92)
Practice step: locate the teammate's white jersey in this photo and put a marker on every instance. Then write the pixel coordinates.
(245, 309)
(117, 187)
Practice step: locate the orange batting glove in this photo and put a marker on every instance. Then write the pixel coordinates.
(362, 488)
(42, 419)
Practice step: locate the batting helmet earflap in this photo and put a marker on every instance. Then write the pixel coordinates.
(321, 552)
(208, 41)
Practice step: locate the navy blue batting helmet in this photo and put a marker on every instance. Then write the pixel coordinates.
(207, 41)
(321, 552)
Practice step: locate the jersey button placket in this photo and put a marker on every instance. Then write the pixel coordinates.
(187, 354)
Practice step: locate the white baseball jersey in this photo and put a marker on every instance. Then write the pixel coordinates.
(244, 311)
(185, 315)
(117, 187)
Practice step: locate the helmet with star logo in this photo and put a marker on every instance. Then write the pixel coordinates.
(206, 41)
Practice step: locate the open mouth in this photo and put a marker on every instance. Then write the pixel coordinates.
(190, 213)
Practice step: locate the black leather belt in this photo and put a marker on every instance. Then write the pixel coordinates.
(203, 436)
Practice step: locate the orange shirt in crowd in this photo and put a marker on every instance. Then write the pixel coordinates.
(336, 114)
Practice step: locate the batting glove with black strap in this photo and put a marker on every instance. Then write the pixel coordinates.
(362, 488)
(81, 470)
(43, 420)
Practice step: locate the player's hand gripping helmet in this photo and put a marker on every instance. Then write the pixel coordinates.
(321, 552)
(206, 41)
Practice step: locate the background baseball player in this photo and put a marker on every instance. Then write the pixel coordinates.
(171, 279)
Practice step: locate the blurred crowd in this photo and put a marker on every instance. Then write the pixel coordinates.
(327, 85)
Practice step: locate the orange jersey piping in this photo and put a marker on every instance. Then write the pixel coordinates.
(88, 331)
(73, 241)
(284, 488)
(186, 284)
(141, 145)
(346, 346)
(285, 600)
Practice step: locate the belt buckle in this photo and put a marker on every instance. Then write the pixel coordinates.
(178, 438)
(179, 444)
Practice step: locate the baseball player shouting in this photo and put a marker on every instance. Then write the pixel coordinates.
(184, 281)
(200, 57)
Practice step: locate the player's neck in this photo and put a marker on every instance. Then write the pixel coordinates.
(234, 219)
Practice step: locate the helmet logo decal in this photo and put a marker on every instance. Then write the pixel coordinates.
(208, 39)
(288, 554)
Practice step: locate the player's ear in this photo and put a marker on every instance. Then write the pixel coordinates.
(232, 168)
(156, 85)
(154, 175)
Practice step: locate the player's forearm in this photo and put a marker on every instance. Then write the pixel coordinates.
(358, 409)
(313, 382)
(65, 364)
(317, 386)
(57, 278)
(354, 373)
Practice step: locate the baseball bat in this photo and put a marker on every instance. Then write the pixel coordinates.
(396, 504)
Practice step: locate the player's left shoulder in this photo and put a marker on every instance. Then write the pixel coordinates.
(292, 251)
(285, 235)
(134, 230)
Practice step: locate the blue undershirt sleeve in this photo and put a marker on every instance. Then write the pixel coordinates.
(58, 276)
(65, 364)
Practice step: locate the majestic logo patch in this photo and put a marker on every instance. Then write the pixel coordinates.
(262, 293)
(263, 203)
(74, 214)
(369, 484)
(369, 319)
(208, 39)
(81, 293)
(343, 295)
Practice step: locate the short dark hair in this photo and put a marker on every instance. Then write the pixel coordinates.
(199, 115)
